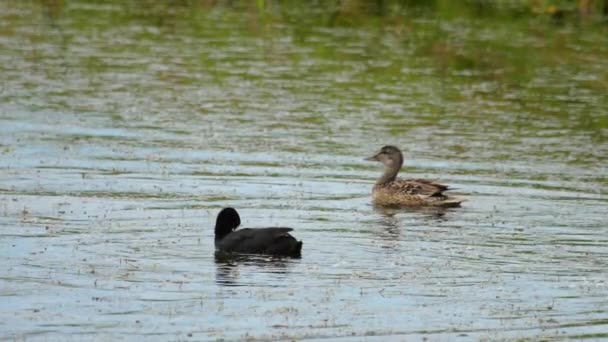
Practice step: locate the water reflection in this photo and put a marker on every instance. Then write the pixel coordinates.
(389, 220)
(230, 265)
(389, 230)
(392, 223)
(166, 123)
(432, 213)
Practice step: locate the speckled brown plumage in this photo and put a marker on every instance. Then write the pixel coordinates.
(390, 190)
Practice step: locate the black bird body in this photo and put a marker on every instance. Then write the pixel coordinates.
(273, 241)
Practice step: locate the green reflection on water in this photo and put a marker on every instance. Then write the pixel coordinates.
(385, 68)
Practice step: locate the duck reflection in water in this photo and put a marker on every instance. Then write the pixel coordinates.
(390, 225)
(431, 213)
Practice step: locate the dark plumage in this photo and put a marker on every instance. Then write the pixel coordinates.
(273, 241)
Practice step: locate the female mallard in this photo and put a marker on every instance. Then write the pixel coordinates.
(389, 190)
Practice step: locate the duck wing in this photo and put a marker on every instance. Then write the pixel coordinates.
(419, 187)
(439, 186)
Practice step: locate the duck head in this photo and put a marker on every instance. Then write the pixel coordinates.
(390, 156)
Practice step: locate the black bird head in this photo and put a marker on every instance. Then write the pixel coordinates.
(227, 221)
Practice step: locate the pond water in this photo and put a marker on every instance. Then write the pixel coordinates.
(124, 130)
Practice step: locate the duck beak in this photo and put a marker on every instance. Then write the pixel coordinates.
(372, 158)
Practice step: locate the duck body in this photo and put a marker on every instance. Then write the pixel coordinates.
(271, 241)
(413, 193)
(392, 191)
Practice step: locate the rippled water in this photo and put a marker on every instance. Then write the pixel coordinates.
(122, 135)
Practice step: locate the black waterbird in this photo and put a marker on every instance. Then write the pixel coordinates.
(273, 241)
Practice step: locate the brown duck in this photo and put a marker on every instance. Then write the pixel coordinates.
(390, 190)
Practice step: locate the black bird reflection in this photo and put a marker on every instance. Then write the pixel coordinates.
(230, 266)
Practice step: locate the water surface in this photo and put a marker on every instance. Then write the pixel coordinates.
(124, 130)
